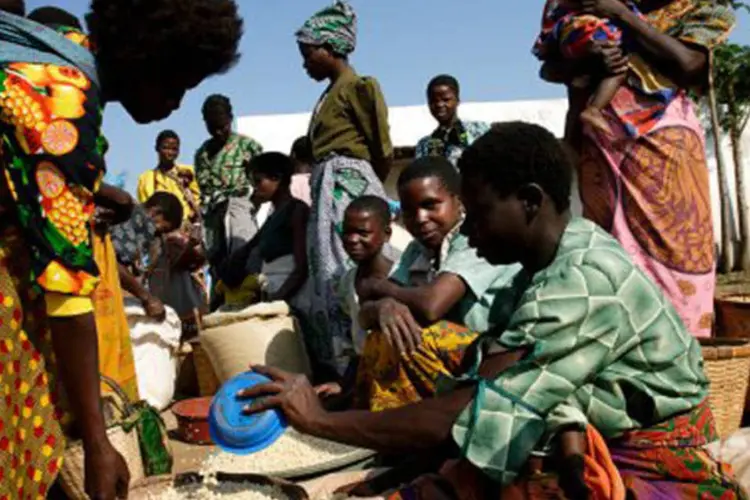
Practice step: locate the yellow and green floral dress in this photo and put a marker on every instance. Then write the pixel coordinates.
(50, 119)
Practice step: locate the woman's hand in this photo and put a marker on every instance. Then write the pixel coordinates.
(106, 473)
(292, 394)
(397, 323)
(611, 9)
(610, 53)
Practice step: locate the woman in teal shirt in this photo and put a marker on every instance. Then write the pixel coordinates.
(439, 294)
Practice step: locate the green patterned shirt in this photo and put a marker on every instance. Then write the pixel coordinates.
(223, 175)
(606, 348)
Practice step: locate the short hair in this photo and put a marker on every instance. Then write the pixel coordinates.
(273, 164)
(166, 134)
(374, 205)
(54, 16)
(169, 205)
(197, 37)
(432, 166)
(514, 154)
(217, 103)
(444, 80)
(302, 149)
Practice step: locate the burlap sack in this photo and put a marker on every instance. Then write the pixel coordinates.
(264, 334)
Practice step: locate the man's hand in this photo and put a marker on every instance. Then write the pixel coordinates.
(292, 394)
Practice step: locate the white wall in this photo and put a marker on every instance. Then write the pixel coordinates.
(410, 123)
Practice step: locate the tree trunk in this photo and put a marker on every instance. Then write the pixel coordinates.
(741, 178)
(735, 133)
(726, 252)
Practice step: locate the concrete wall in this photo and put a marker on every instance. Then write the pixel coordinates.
(410, 123)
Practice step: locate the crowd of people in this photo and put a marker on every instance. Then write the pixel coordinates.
(543, 354)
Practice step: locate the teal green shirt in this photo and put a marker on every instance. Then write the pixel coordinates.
(606, 348)
(490, 296)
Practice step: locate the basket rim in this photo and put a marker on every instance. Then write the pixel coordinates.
(717, 348)
(732, 297)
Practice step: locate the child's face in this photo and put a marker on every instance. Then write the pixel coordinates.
(363, 235)
(429, 210)
(185, 178)
(161, 224)
(264, 187)
(443, 103)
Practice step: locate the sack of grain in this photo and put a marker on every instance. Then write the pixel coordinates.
(155, 345)
(265, 334)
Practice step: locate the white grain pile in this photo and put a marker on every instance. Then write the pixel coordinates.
(292, 451)
(211, 489)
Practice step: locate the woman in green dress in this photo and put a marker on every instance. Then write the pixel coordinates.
(352, 150)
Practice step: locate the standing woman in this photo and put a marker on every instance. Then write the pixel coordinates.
(220, 165)
(649, 186)
(53, 87)
(452, 135)
(352, 150)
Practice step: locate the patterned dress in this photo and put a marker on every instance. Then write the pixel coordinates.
(225, 195)
(348, 131)
(50, 119)
(452, 142)
(651, 191)
(569, 33)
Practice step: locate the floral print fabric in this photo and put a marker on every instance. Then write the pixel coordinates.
(50, 118)
(451, 143)
(223, 176)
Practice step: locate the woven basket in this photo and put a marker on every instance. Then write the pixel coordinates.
(208, 383)
(727, 366)
(126, 443)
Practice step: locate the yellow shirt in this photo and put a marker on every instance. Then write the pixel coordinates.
(155, 181)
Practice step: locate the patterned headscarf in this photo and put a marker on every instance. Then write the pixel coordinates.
(335, 25)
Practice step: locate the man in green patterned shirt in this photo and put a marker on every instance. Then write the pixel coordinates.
(220, 167)
(592, 345)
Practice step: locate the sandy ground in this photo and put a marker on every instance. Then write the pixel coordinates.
(187, 457)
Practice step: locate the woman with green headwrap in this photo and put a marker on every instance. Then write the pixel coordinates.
(352, 150)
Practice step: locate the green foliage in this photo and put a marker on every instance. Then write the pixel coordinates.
(732, 84)
(740, 6)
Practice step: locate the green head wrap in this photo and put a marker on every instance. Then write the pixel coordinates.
(335, 26)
